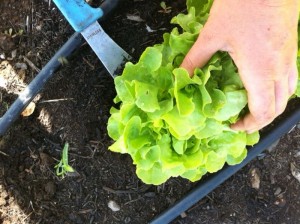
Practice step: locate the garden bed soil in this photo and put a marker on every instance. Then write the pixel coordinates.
(74, 108)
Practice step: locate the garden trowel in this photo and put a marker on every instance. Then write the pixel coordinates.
(83, 18)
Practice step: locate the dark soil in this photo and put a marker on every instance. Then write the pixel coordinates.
(74, 108)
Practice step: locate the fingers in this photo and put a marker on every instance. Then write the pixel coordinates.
(261, 103)
(281, 95)
(266, 100)
(293, 79)
(203, 49)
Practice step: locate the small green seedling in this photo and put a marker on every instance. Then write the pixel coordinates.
(165, 8)
(62, 168)
(10, 32)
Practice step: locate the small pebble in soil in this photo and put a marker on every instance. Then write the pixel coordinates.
(280, 202)
(113, 206)
(295, 171)
(297, 154)
(183, 215)
(272, 178)
(20, 65)
(127, 220)
(255, 178)
(277, 191)
(150, 194)
(14, 54)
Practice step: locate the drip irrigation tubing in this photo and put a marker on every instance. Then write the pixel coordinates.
(214, 180)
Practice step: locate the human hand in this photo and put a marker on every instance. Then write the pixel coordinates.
(261, 38)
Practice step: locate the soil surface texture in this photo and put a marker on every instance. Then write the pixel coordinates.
(74, 107)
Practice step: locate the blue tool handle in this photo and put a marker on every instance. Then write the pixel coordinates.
(78, 13)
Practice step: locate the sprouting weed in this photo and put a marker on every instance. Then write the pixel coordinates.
(13, 34)
(165, 8)
(62, 168)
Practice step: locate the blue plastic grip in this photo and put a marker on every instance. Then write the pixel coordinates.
(78, 13)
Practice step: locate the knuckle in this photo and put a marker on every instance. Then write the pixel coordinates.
(208, 35)
(189, 62)
(272, 61)
(265, 117)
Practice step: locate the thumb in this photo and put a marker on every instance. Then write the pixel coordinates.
(200, 53)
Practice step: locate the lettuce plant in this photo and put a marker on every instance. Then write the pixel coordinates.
(174, 125)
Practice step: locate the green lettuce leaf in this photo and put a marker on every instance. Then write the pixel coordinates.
(174, 125)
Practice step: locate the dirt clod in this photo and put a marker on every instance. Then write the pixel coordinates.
(6, 42)
(50, 188)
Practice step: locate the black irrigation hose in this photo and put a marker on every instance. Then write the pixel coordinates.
(38, 83)
(214, 180)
